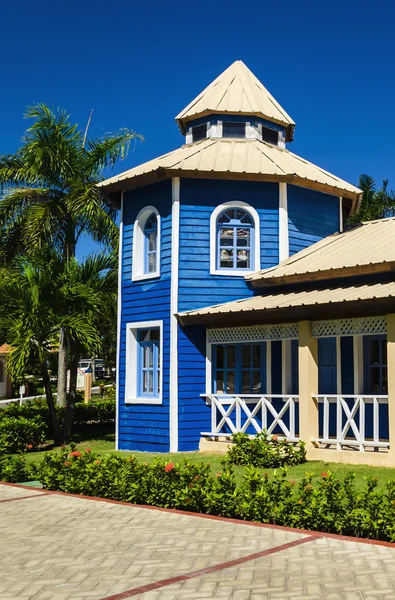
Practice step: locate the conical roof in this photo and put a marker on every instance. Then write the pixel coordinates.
(236, 91)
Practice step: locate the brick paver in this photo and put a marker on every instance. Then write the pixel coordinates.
(59, 547)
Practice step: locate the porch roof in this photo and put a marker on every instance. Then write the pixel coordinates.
(5, 349)
(365, 249)
(339, 301)
(252, 160)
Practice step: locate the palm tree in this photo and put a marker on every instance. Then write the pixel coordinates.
(375, 203)
(41, 295)
(52, 197)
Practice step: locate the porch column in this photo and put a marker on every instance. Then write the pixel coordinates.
(391, 383)
(308, 385)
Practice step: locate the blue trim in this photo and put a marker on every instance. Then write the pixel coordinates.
(235, 225)
(239, 369)
(149, 371)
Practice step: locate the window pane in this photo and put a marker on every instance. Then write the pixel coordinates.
(199, 132)
(375, 380)
(152, 241)
(231, 356)
(374, 352)
(226, 258)
(154, 334)
(145, 382)
(220, 356)
(220, 382)
(152, 262)
(384, 381)
(230, 382)
(256, 356)
(225, 217)
(246, 355)
(242, 237)
(270, 135)
(384, 352)
(245, 383)
(233, 129)
(226, 237)
(243, 259)
(256, 381)
(150, 382)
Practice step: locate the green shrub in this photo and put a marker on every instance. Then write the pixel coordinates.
(100, 412)
(13, 470)
(18, 434)
(265, 451)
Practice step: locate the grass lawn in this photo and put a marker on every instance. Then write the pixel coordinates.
(103, 442)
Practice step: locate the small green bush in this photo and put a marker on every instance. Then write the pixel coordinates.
(18, 434)
(265, 451)
(13, 470)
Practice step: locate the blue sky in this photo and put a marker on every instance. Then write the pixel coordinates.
(330, 64)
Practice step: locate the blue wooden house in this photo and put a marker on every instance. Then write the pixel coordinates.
(204, 230)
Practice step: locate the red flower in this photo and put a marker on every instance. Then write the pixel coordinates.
(169, 467)
(67, 463)
(219, 475)
(29, 446)
(324, 474)
(88, 450)
(274, 438)
(97, 462)
(76, 453)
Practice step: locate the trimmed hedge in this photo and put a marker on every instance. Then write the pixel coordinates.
(329, 505)
(14, 470)
(99, 412)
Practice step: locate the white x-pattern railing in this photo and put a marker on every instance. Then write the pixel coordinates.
(227, 414)
(350, 430)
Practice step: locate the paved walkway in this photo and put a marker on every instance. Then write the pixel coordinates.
(59, 547)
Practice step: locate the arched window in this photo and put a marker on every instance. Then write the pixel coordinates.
(146, 244)
(151, 236)
(235, 229)
(234, 239)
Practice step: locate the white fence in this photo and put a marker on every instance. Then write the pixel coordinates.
(249, 413)
(351, 422)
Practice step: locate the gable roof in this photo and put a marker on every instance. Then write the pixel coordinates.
(367, 248)
(235, 91)
(236, 159)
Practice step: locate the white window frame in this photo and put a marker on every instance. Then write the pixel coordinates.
(138, 251)
(213, 239)
(132, 362)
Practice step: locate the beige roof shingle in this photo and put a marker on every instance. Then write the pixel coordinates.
(236, 90)
(368, 248)
(249, 159)
(262, 306)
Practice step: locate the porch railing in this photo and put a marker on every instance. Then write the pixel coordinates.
(349, 425)
(252, 413)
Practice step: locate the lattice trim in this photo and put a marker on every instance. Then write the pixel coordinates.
(257, 333)
(349, 326)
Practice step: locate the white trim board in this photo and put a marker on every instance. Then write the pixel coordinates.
(138, 252)
(119, 318)
(131, 362)
(175, 249)
(213, 239)
(283, 234)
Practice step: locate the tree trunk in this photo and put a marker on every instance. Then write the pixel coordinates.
(61, 399)
(51, 405)
(71, 397)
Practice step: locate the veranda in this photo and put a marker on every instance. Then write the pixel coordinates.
(330, 383)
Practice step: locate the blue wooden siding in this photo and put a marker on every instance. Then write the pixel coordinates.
(143, 426)
(198, 199)
(311, 216)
